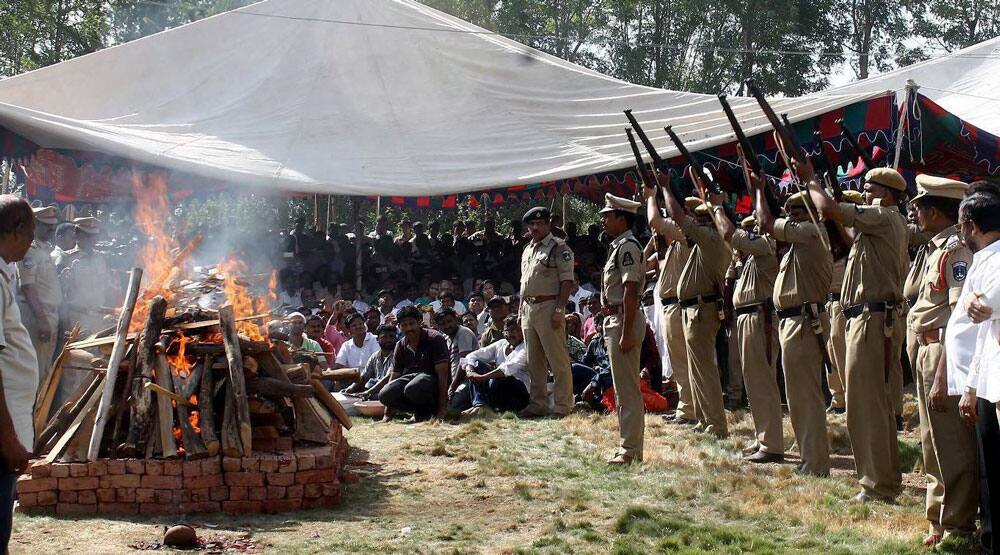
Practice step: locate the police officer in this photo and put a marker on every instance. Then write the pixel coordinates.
(872, 298)
(700, 291)
(624, 279)
(755, 337)
(671, 320)
(546, 283)
(800, 294)
(86, 287)
(949, 446)
(837, 346)
(40, 292)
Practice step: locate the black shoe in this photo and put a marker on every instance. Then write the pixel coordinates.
(763, 457)
(836, 410)
(899, 423)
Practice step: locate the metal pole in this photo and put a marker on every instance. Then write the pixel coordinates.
(358, 243)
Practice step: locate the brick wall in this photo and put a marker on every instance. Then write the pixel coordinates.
(276, 478)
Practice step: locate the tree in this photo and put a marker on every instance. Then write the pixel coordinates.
(956, 24)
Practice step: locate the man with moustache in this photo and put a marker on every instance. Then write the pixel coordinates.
(421, 371)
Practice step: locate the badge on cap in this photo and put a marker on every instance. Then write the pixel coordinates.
(627, 259)
(959, 270)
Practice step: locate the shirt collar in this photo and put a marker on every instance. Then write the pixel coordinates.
(546, 239)
(621, 238)
(941, 239)
(3, 271)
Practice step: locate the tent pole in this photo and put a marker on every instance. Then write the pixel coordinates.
(564, 209)
(378, 207)
(358, 243)
(315, 211)
(329, 210)
(8, 164)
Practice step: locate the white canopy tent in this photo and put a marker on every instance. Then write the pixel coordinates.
(358, 97)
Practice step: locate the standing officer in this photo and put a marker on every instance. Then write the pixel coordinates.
(800, 294)
(546, 283)
(671, 321)
(949, 446)
(87, 286)
(700, 291)
(837, 346)
(624, 325)
(755, 336)
(40, 291)
(872, 299)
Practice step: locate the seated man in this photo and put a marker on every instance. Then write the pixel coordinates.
(421, 370)
(498, 310)
(356, 351)
(377, 369)
(499, 372)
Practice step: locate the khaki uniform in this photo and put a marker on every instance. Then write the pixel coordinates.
(699, 289)
(86, 285)
(800, 295)
(949, 446)
(734, 370)
(837, 346)
(873, 286)
(39, 271)
(911, 288)
(756, 338)
(671, 320)
(544, 266)
(625, 264)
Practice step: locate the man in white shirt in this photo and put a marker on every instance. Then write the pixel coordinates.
(499, 373)
(973, 345)
(461, 341)
(358, 348)
(18, 364)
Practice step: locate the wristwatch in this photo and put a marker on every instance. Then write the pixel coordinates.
(559, 309)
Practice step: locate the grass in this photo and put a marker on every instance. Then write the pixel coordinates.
(504, 485)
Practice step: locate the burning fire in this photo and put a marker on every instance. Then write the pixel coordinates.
(180, 362)
(151, 210)
(244, 304)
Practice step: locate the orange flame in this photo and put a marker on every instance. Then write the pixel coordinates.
(180, 362)
(151, 211)
(244, 304)
(195, 418)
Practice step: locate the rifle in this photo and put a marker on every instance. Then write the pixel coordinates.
(698, 170)
(649, 180)
(750, 155)
(866, 157)
(658, 163)
(824, 169)
(785, 133)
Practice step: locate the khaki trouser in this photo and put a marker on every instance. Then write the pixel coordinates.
(837, 347)
(761, 380)
(734, 391)
(949, 449)
(802, 361)
(701, 323)
(625, 375)
(871, 420)
(672, 326)
(546, 349)
(44, 350)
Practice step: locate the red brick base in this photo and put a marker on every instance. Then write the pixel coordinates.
(287, 479)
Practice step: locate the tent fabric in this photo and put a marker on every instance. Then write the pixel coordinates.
(964, 83)
(359, 97)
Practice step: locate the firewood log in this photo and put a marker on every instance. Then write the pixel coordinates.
(237, 383)
(194, 447)
(141, 409)
(206, 408)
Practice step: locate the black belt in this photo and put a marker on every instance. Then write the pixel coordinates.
(700, 299)
(858, 309)
(834, 297)
(748, 309)
(911, 301)
(669, 301)
(797, 310)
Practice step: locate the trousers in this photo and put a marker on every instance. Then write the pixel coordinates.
(701, 323)
(871, 418)
(837, 347)
(802, 361)
(502, 394)
(546, 347)
(415, 393)
(949, 453)
(988, 441)
(625, 376)
(672, 326)
(760, 380)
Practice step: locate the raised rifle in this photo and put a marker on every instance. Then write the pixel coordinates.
(648, 180)
(750, 155)
(658, 163)
(707, 182)
(866, 157)
(840, 239)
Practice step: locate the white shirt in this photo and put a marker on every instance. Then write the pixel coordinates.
(352, 356)
(459, 307)
(974, 349)
(18, 364)
(513, 364)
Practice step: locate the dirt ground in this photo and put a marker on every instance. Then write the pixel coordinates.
(505, 485)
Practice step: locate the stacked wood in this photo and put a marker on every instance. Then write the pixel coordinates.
(188, 385)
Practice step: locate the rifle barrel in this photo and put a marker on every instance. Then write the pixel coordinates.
(741, 137)
(699, 170)
(783, 132)
(855, 146)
